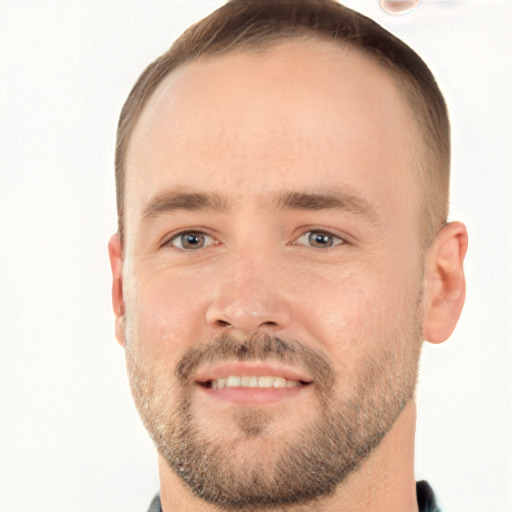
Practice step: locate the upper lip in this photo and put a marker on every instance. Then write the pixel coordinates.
(250, 368)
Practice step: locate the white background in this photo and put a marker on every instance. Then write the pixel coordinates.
(70, 439)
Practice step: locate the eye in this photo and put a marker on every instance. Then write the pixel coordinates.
(319, 239)
(191, 240)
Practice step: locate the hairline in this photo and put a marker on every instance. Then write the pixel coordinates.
(431, 163)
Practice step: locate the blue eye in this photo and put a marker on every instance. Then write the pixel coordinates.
(319, 239)
(191, 240)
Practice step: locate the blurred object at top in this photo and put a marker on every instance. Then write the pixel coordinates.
(398, 6)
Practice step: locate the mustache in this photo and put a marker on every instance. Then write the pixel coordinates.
(257, 347)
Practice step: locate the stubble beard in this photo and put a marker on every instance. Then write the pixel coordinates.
(252, 471)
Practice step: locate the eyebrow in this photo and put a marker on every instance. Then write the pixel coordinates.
(339, 200)
(195, 201)
(199, 201)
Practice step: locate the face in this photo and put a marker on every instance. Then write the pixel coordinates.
(272, 282)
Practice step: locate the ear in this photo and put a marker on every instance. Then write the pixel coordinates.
(115, 253)
(445, 283)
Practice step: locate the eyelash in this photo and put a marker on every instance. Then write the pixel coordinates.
(192, 233)
(335, 240)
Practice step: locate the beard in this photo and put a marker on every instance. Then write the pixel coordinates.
(250, 466)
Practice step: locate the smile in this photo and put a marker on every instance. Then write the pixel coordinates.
(252, 381)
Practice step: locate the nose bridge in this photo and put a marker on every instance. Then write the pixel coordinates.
(247, 295)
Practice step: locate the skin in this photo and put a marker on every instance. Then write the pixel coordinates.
(246, 128)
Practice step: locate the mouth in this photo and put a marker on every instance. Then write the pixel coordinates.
(251, 382)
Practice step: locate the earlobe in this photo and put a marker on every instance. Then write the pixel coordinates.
(445, 284)
(116, 264)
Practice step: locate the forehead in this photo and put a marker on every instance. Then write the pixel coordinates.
(246, 123)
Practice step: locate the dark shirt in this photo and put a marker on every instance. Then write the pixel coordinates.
(426, 499)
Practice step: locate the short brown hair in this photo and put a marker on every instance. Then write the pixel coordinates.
(254, 24)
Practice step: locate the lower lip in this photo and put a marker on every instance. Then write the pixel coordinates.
(253, 396)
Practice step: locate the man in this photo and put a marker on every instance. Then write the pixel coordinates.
(282, 252)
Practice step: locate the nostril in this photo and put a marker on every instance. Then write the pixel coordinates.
(248, 315)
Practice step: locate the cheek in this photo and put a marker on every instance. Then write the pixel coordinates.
(342, 303)
(358, 313)
(163, 315)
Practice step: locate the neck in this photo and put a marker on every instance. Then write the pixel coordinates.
(384, 482)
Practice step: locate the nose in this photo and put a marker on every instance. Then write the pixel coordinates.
(248, 298)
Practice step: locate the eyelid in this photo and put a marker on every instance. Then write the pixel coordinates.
(338, 238)
(168, 239)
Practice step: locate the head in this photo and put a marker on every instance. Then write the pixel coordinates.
(242, 25)
(282, 184)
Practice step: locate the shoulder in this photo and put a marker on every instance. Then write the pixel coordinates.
(155, 505)
(426, 497)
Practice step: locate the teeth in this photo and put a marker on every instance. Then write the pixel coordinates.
(279, 382)
(247, 381)
(233, 382)
(265, 382)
